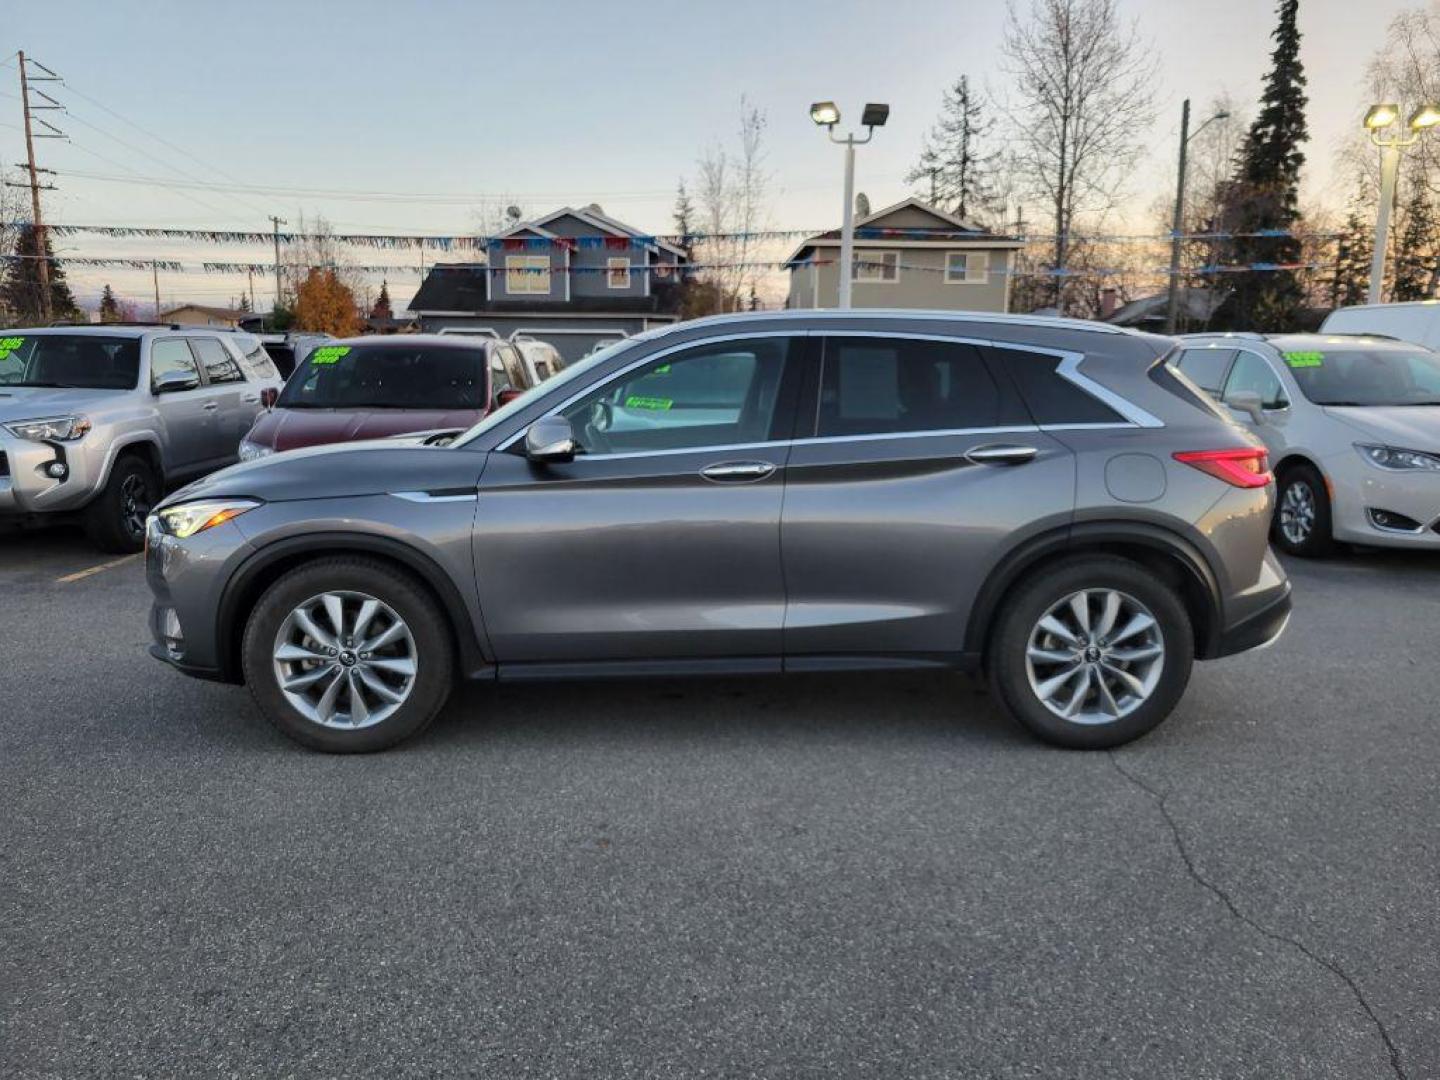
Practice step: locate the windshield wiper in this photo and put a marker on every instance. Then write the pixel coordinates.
(49, 385)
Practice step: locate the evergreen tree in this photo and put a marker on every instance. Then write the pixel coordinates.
(20, 291)
(1351, 277)
(109, 306)
(244, 304)
(684, 215)
(955, 170)
(1265, 193)
(381, 308)
(1417, 260)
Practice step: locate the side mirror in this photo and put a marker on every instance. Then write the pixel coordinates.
(1248, 402)
(268, 397)
(174, 381)
(504, 397)
(551, 439)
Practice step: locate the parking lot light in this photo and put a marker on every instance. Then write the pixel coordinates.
(1426, 116)
(1378, 119)
(825, 113)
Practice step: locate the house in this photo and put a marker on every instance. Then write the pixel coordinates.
(572, 278)
(910, 255)
(200, 315)
(1197, 306)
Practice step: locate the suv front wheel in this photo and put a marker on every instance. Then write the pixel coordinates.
(348, 655)
(115, 520)
(1092, 653)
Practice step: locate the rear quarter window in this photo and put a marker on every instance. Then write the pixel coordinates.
(1050, 397)
(1176, 382)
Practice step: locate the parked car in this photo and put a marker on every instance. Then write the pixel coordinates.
(95, 421)
(1041, 499)
(373, 387)
(1352, 425)
(1417, 322)
(288, 349)
(542, 359)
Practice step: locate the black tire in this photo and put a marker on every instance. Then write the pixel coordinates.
(115, 519)
(406, 597)
(1051, 585)
(1302, 483)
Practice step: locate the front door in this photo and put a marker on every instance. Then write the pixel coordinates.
(187, 416)
(922, 469)
(661, 540)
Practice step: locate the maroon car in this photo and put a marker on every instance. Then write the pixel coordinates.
(375, 387)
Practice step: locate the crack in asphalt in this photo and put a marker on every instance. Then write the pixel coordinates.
(1220, 894)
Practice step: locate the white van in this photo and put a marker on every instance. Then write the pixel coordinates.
(1417, 322)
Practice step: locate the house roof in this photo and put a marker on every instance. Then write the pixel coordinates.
(1196, 304)
(591, 216)
(947, 225)
(204, 309)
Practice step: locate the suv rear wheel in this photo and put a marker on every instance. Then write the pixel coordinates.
(1092, 653)
(115, 520)
(348, 655)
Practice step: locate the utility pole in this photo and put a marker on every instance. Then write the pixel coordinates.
(37, 220)
(1172, 303)
(277, 222)
(250, 276)
(155, 277)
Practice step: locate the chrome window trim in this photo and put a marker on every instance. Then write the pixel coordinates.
(1134, 416)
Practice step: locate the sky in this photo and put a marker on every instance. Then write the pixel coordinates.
(420, 118)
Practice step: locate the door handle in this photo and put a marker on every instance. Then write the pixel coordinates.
(251, 399)
(737, 471)
(210, 406)
(1002, 454)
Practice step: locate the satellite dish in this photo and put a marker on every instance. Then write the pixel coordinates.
(862, 205)
(512, 213)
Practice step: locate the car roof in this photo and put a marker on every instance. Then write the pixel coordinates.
(908, 314)
(402, 341)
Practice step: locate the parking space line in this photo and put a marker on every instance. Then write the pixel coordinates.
(81, 574)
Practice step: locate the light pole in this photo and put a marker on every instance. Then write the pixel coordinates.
(1378, 120)
(826, 114)
(1172, 305)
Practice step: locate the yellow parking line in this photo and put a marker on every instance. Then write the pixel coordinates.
(80, 574)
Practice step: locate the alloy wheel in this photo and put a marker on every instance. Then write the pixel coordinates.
(1297, 512)
(1095, 656)
(134, 504)
(345, 660)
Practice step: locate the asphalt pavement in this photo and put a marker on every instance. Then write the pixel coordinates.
(814, 876)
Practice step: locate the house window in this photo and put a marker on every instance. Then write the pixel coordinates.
(967, 267)
(617, 272)
(527, 274)
(877, 266)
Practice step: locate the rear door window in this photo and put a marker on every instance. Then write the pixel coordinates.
(220, 366)
(1206, 368)
(259, 365)
(875, 386)
(1050, 397)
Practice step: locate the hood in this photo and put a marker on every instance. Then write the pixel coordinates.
(337, 472)
(37, 402)
(288, 429)
(1408, 427)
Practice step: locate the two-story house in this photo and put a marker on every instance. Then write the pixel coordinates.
(573, 278)
(910, 255)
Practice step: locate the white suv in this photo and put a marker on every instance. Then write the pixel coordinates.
(95, 421)
(1352, 424)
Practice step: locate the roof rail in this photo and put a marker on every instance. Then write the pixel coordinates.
(1247, 335)
(119, 322)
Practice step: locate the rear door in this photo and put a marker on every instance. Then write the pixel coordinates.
(189, 424)
(232, 399)
(920, 471)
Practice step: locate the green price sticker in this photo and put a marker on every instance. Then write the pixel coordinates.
(637, 401)
(1305, 359)
(663, 369)
(9, 345)
(328, 354)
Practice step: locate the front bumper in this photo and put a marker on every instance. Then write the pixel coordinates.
(25, 487)
(186, 579)
(1357, 487)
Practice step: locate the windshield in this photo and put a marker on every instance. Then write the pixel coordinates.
(555, 382)
(440, 377)
(87, 361)
(1341, 375)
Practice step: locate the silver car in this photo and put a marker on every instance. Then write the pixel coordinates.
(1353, 427)
(1041, 500)
(95, 421)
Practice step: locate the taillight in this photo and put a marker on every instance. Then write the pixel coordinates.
(1248, 467)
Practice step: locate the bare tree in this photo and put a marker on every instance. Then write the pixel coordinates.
(1082, 93)
(731, 195)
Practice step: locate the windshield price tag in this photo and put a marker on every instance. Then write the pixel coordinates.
(1305, 359)
(9, 345)
(328, 354)
(637, 401)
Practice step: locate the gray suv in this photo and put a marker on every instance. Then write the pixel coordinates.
(1041, 500)
(94, 421)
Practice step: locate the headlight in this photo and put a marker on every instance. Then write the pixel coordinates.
(1389, 457)
(53, 429)
(249, 451)
(187, 519)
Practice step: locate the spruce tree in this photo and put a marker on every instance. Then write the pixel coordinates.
(381, 308)
(955, 170)
(20, 291)
(1265, 195)
(109, 306)
(1417, 259)
(684, 214)
(1351, 277)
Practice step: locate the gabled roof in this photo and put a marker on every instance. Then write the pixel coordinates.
(912, 203)
(527, 226)
(593, 218)
(947, 225)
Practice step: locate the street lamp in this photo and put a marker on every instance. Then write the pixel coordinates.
(1378, 120)
(826, 114)
(1172, 305)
